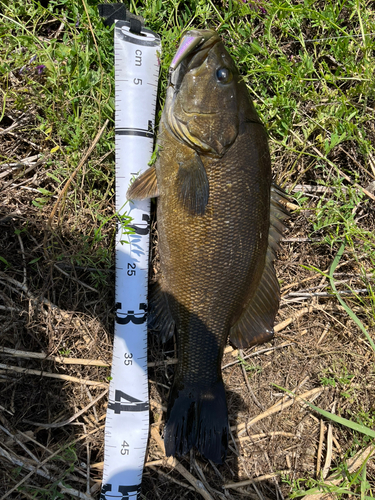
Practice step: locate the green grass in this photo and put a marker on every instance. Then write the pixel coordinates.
(309, 67)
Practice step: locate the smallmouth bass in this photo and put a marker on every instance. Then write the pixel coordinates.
(219, 220)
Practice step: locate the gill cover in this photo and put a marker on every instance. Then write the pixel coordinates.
(202, 104)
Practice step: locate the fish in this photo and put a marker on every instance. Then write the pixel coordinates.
(219, 222)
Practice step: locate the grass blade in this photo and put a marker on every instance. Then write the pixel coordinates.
(352, 315)
(339, 420)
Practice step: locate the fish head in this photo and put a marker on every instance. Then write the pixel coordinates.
(205, 94)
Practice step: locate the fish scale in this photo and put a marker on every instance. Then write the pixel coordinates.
(204, 274)
(219, 224)
(213, 266)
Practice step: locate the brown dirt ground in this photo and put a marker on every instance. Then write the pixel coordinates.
(50, 306)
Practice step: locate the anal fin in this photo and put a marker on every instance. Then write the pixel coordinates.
(255, 325)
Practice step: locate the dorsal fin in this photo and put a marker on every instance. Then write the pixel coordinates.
(255, 325)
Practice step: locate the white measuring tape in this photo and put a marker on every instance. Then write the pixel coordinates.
(127, 423)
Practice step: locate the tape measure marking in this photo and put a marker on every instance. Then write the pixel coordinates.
(127, 423)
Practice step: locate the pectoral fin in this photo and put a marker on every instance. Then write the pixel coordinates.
(144, 186)
(192, 185)
(255, 325)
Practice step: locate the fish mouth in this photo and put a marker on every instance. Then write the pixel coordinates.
(192, 42)
(195, 113)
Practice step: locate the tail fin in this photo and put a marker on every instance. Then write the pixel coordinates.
(197, 417)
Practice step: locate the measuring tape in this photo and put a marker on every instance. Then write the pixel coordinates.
(127, 423)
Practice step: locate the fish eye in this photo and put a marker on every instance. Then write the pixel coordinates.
(224, 75)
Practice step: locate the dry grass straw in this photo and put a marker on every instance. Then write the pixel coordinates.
(259, 479)
(336, 479)
(41, 373)
(57, 321)
(92, 356)
(175, 464)
(57, 359)
(346, 177)
(37, 469)
(280, 406)
(77, 169)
